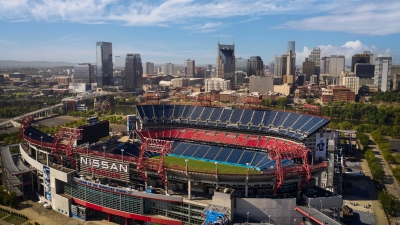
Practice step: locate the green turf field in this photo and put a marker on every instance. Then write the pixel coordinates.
(202, 166)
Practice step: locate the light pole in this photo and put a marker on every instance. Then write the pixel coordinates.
(309, 206)
(269, 219)
(334, 213)
(247, 217)
(41, 141)
(87, 148)
(30, 139)
(186, 161)
(216, 169)
(321, 204)
(104, 148)
(122, 150)
(294, 221)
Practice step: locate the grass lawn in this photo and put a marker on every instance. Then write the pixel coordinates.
(14, 220)
(3, 214)
(202, 166)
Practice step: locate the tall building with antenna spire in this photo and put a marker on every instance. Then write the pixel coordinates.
(225, 61)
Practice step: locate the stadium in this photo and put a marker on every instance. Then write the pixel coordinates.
(184, 165)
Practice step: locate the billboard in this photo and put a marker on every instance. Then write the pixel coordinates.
(114, 169)
(78, 212)
(46, 180)
(93, 133)
(215, 218)
(130, 122)
(320, 148)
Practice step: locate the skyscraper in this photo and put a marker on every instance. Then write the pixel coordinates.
(190, 68)
(225, 61)
(104, 63)
(168, 69)
(365, 57)
(309, 69)
(336, 65)
(315, 56)
(83, 73)
(148, 68)
(256, 66)
(242, 65)
(383, 67)
(278, 66)
(292, 47)
(133, 72)
(325, 61)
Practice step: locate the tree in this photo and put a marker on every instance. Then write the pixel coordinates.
(282, 101)
(390, 204)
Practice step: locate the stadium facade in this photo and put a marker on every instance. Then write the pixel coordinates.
(274, 155)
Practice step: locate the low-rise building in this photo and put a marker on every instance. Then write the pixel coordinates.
(283, 89)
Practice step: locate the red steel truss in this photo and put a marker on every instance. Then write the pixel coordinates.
(158, 146)
(150, 100)
(312, 109)
(204, 100)
(278, 153)
(68, 135)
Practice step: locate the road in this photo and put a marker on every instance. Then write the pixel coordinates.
(392, 188)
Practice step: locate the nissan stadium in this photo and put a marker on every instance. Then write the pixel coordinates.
(182, 165)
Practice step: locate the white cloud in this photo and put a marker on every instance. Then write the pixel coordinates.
(149, 13)
(348, 50)
(374, 18)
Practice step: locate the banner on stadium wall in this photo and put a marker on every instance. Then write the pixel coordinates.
(320, 148)
(46, 180)
(78, 212)
(215, 218)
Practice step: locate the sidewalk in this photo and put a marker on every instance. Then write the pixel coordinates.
(37, 213)
(376, 206)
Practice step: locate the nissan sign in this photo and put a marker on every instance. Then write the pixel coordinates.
(105, 167)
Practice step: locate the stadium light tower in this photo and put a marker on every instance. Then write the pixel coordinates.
(122, 150)
(216, 169)
(104, 147)
(41, 141)
(321, 204)
(186, 161)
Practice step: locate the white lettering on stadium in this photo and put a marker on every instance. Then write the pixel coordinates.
(104, 164)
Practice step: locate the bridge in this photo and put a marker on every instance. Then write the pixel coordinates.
(47, 111)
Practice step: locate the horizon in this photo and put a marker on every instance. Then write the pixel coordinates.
(60, 31)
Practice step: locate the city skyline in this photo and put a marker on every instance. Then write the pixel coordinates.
(56, 31)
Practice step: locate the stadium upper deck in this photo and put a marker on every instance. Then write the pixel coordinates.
(286, 124)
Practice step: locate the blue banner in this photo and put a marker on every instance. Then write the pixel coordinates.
(46, 180)
(215, 218)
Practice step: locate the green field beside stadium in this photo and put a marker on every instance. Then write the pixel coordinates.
(204, 167)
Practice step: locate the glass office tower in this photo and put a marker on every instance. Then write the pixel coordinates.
(104, 63)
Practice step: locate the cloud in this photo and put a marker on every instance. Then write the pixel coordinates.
(375, 18)
(207, 27)
(149, 13)
(348, 50)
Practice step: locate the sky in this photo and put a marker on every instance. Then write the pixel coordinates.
(174, 30)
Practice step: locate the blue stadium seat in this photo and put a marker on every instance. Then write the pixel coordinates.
(139, 110)
(257, 117)
(258, 157)
(191, 150)
(213, 152)
(179, 147)
(235, 155)
(206, 113)
(168, 111)
(282, 118)
(236, 115)
(216, 114)
(196, 113)
(201, 151)
(225, 115)
(269, 117)
(247, 157)
(263, 162)
(291, 120)
(187, 111)
(178, 111)
(247, 116)
(223, 154)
